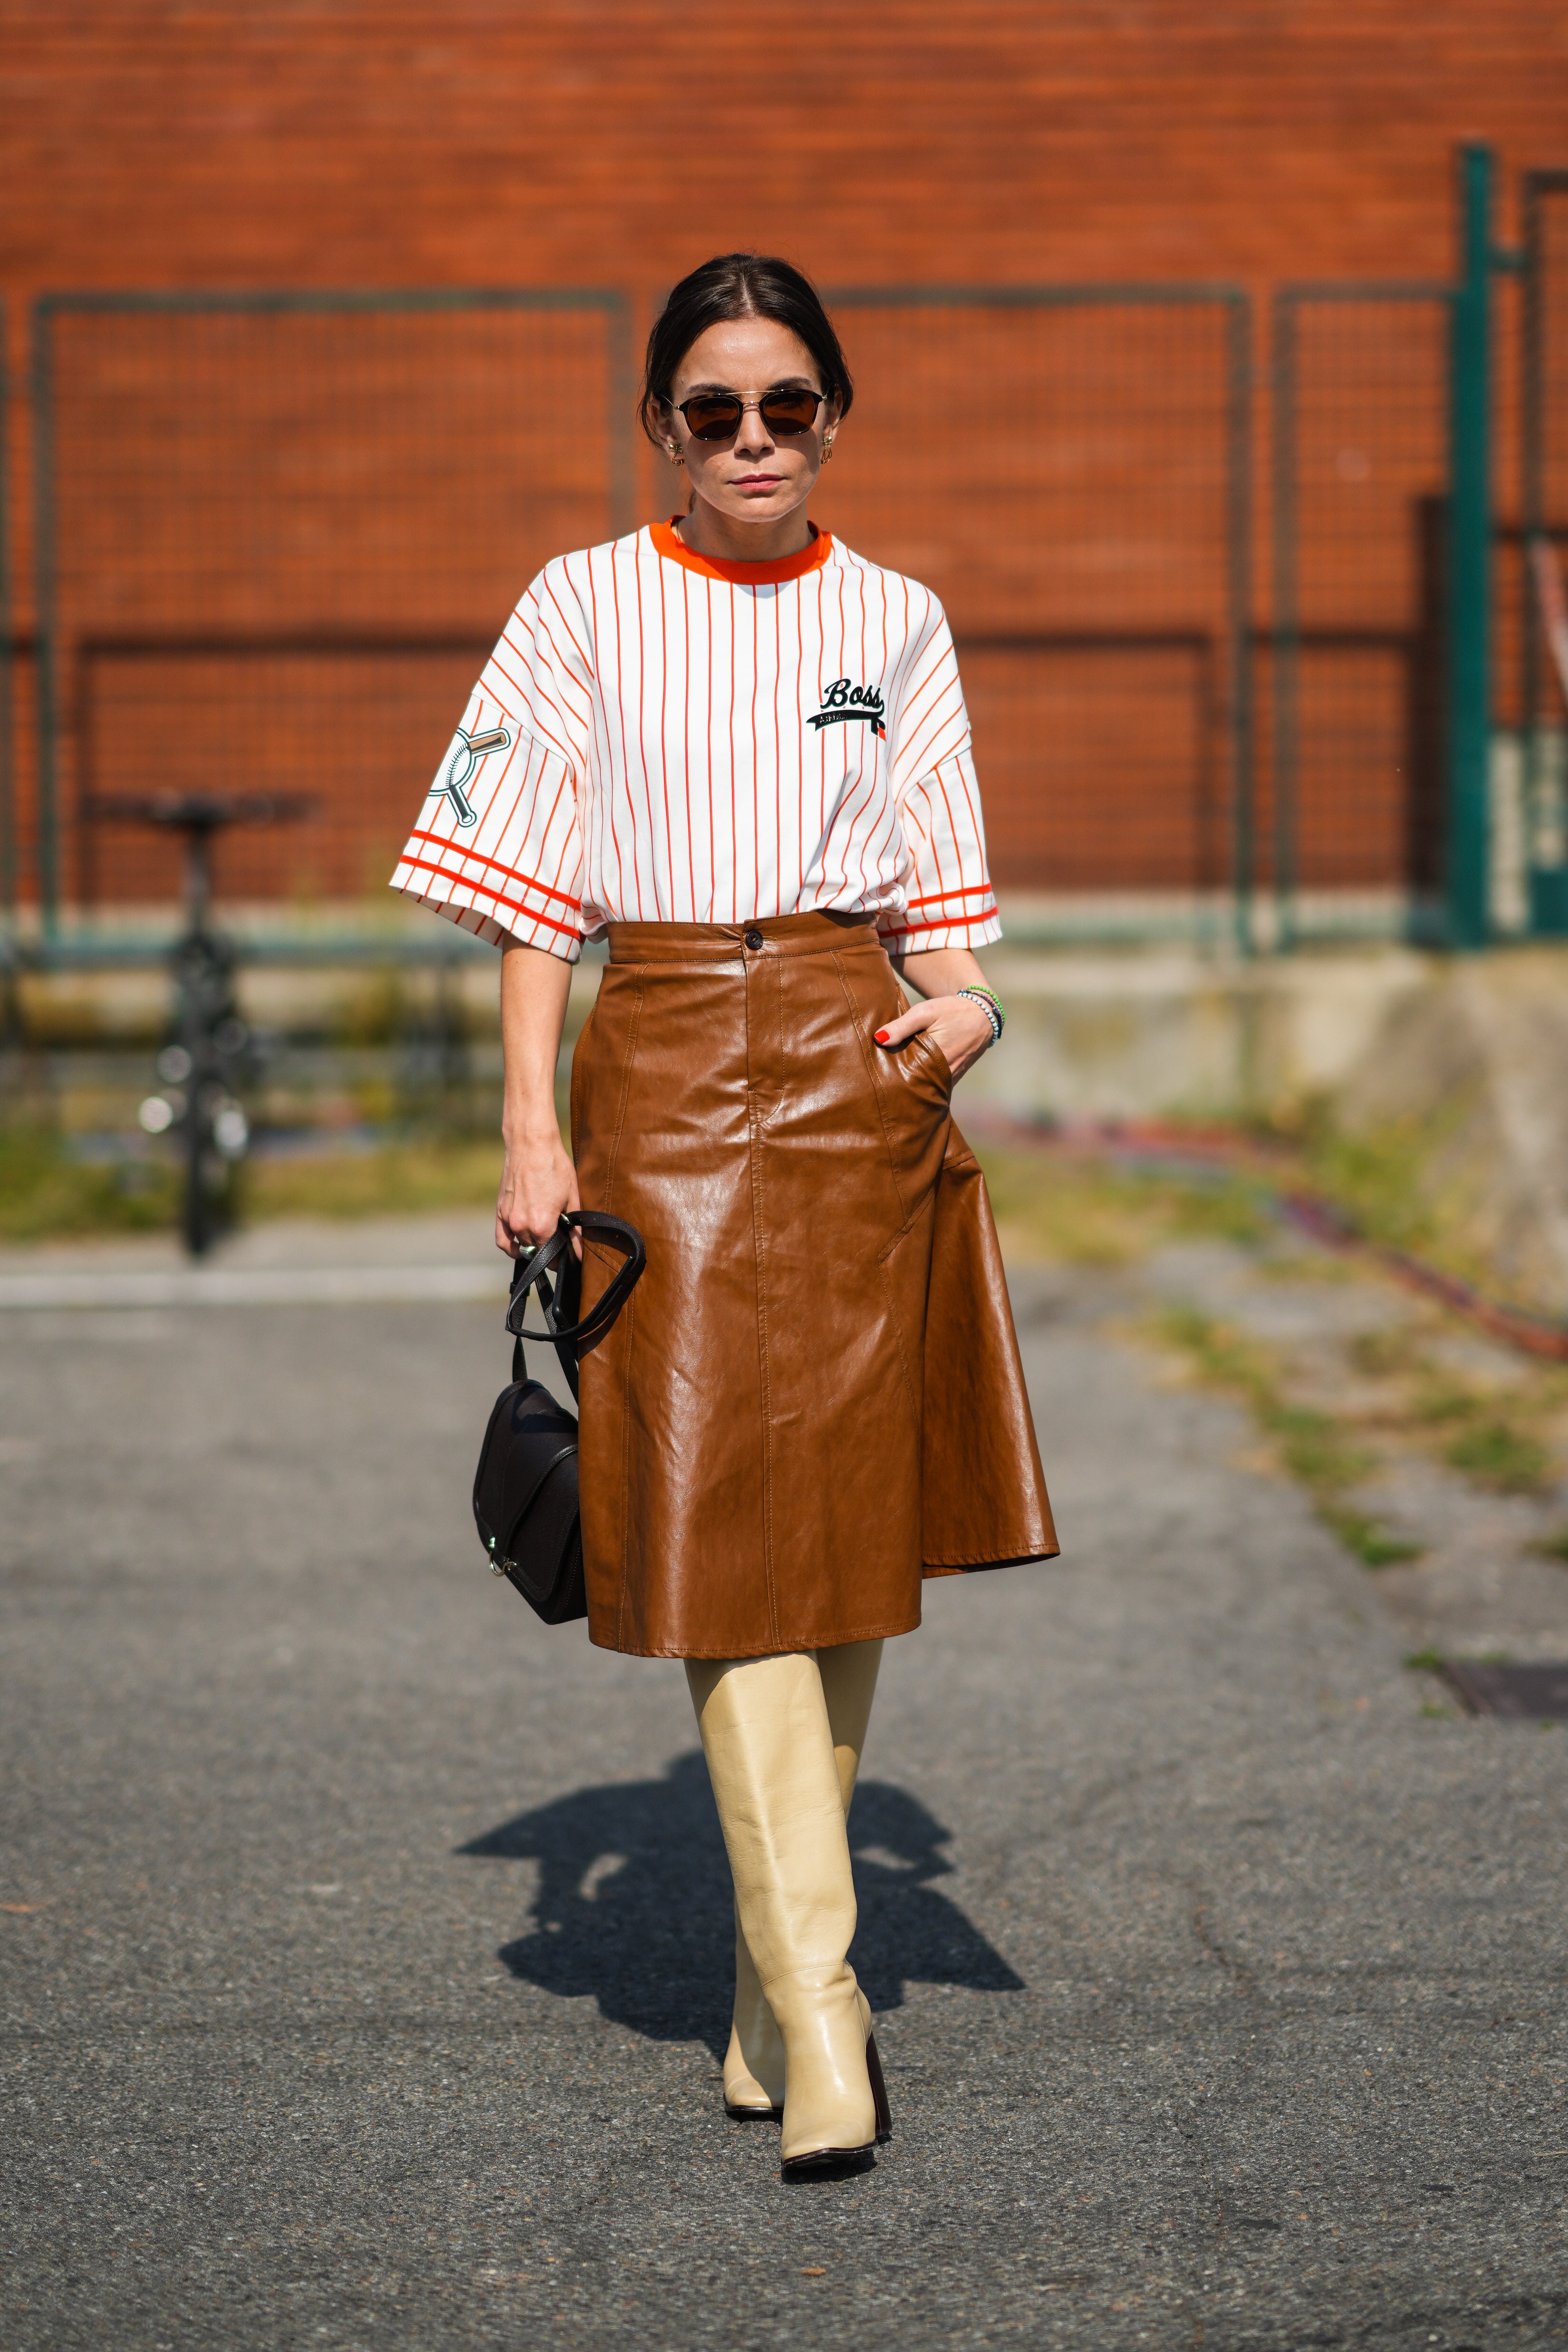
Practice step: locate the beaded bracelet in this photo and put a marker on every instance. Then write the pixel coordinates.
(990, 1004)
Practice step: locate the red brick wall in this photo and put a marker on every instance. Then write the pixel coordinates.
(613, 143)
(263, 144)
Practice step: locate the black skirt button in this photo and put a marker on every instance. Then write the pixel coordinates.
(754, 938)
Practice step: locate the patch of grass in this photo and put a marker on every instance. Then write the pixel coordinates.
(1227, 1211)
(44, 1192)
(1315, 1447)
(397, 1180)
(1554, 1547)
(1384, 1355)
(1286, 1265)
(1378, 1179)
(1091, 1213)
(1384, 1181)
(1318, 1450)
(1490, 1440)
(1425, 1661)
(1439, 1402)
(1497, 1455)
(1220, 1353)
(1369, 1539)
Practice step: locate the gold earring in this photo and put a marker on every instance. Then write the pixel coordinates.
(828, 450)
(675, 456)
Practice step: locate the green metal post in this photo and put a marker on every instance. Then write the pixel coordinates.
(1469, 558)
(1287, 645)
(43, 619)
(1238, 574)
(8, 656)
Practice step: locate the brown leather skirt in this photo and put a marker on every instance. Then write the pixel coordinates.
(813, 1398)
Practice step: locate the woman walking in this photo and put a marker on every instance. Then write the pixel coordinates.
(741, 752)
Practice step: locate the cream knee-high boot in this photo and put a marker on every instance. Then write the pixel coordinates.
(769, 1749)
(754, 2063)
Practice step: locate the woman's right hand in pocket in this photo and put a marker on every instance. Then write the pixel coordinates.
(539, 1184)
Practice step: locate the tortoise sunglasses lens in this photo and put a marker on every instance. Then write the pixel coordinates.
(715, 415)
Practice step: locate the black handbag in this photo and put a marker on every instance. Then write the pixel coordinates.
(525, 1489)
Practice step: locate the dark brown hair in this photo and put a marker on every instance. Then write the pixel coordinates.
(738, 286)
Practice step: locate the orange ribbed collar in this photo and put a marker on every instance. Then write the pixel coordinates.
(741, 575)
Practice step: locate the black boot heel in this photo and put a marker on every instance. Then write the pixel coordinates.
(878, 2090)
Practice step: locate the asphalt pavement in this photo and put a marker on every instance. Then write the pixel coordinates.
(365, 1943)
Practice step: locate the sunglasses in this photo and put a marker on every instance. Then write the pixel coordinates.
(715, 415)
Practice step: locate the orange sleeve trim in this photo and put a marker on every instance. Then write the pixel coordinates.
(951, 923)
(513, 905)
(668, 544)
(939, 898)
(477, 858)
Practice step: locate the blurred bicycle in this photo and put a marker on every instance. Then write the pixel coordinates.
(210, 1055)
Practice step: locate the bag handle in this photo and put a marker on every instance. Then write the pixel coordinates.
(533, 1273)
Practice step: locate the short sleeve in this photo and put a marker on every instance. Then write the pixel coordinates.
(947, 896)
(498, 848)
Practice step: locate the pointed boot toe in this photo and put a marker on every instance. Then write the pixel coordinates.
(831, 2110)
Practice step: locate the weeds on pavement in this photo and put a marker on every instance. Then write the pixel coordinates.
(1498, 1437)
(1320, 1451)
(1086, 1211)
(1497, 1455)
(394, 1180)
(44, 1192)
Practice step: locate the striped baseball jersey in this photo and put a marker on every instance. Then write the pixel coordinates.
(660, 737)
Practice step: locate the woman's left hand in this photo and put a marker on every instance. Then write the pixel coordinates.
(956, 1023)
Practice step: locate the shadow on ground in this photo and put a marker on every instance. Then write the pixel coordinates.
(633, 1903)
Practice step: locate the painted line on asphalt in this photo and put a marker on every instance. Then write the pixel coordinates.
(330, 1286)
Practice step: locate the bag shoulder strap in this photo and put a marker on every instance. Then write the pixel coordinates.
(572, 1340)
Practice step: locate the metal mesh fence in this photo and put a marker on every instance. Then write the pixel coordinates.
(277, 537)
(1067, 468)
(1352, 800)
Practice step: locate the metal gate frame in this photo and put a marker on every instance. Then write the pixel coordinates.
(1466, 920)
(1236, 303)
(7, 653)
(1548, 886)
(1466, 298)
(48, 307)
(1287, 302)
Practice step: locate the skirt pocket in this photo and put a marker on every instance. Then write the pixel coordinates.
(915, 1085)
(912, 1082)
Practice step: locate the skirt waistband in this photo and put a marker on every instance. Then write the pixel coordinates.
(821, 933)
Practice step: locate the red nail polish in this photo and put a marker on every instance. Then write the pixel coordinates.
(882, 1037)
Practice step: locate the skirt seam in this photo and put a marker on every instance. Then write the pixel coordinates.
(916, 1401)
(634, 1031)
(629, 1310)
(758, 1231)
(876, 1095)
(626, 1068)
